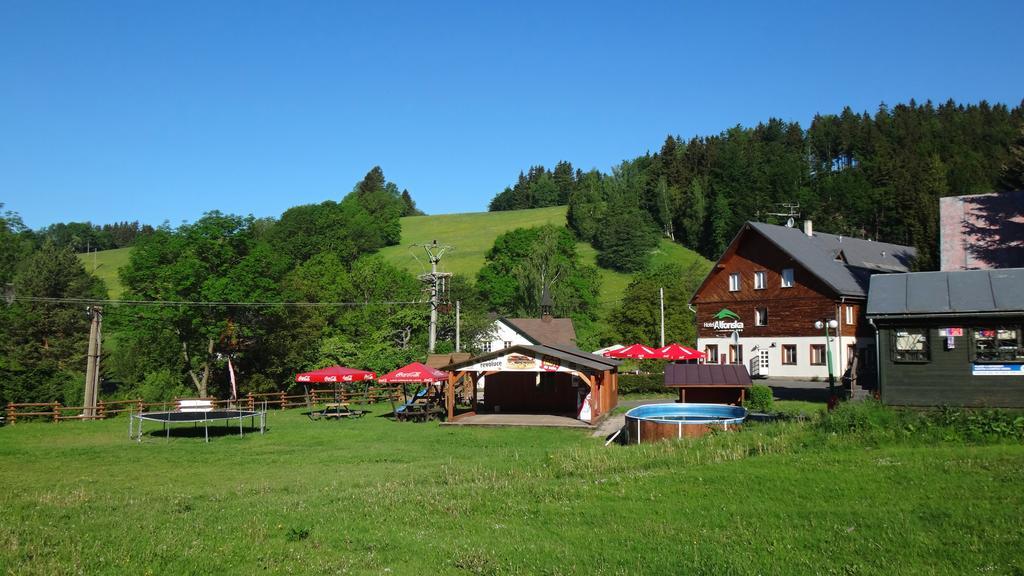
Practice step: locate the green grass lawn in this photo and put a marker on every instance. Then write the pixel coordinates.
(371, 496)
(105, 264)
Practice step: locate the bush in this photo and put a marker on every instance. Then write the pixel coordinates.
(760, 399)
(642, 384)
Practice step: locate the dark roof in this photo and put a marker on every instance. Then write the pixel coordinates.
(564, 353)
(547, 331)
(440, 360)
(683, 375)
(954, 292)
(843, 263)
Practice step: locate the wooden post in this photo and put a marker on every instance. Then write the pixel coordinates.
(102, 409)
(56, 411)
(282, 399)
(141, 406)
(10, 413)
(450, 396)
(250, 400)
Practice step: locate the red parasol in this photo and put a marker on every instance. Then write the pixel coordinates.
(637, 351)
(676, 352)
(415, 372)
(335, 374)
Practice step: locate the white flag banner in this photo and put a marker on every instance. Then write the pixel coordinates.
(231, 371)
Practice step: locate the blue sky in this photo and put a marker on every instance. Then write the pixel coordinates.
(154, 111)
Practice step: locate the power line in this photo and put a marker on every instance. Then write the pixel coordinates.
(186, 303)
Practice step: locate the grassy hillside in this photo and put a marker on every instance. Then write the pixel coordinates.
(472, 235)
(105, 264)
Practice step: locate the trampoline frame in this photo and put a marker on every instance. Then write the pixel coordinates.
(195, 418)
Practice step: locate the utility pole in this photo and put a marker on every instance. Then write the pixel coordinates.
(458, 325)
(661, 301)
(92, 367)
(436, 281)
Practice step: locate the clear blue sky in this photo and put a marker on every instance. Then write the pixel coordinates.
(153, 111)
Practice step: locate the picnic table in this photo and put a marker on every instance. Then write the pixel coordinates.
(419, 412)
(338, 410)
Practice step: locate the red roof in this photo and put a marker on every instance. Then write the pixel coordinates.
(415, 372)
(335, 374)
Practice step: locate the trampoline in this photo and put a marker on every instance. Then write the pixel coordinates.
(204, 417)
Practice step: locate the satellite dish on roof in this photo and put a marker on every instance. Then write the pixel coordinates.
(790, 223)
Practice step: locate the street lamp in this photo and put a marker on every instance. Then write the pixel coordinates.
(826, 324)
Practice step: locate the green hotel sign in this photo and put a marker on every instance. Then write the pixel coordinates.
(725, 319)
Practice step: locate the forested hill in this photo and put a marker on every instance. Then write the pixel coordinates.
(875, 176)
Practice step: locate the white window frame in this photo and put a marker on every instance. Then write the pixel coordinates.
(787, 277)
(849, 315)
(760, 280)
(734, 282)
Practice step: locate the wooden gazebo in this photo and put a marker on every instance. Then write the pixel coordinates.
(535, 379)
(709, 383)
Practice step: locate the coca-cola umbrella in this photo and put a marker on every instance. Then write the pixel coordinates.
(636, 351)
(676, 352)
(414, 373)
(334, 374)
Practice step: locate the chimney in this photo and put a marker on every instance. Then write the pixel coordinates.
(808, 228)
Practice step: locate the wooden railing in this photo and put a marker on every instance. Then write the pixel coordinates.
(57, 412)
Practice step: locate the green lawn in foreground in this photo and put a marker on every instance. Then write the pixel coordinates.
(372, 496)
(105, 264)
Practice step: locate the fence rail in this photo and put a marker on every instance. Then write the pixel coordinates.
(57, 412)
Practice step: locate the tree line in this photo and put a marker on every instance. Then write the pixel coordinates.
(876, 176)
(374, 314)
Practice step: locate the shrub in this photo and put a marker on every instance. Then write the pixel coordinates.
(760, 399)
(642, 384)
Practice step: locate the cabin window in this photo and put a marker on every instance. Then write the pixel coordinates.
(818, 355)
(734, 282)
(789, 354)
(787, 277)
(486, 347)
(998, 344)
(760, 316)
(910, 345)
(849, 315)
(508, 343)
(760, 280)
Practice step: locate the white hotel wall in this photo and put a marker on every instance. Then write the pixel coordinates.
(803, 368)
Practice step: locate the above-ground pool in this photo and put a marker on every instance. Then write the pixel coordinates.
(659, 421)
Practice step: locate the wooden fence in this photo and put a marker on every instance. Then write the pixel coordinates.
(56, 412)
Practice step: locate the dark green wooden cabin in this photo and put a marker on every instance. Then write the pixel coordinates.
(950, 338)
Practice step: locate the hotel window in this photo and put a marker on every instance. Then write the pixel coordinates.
(734, 282)
(735, 353)
(818, 355)
(849, 315)
(486, 347)
(787, 277)
(789, 354)
(711, 353)
(910, 345)
(760, 316)
(998, 344)
(760, 280)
